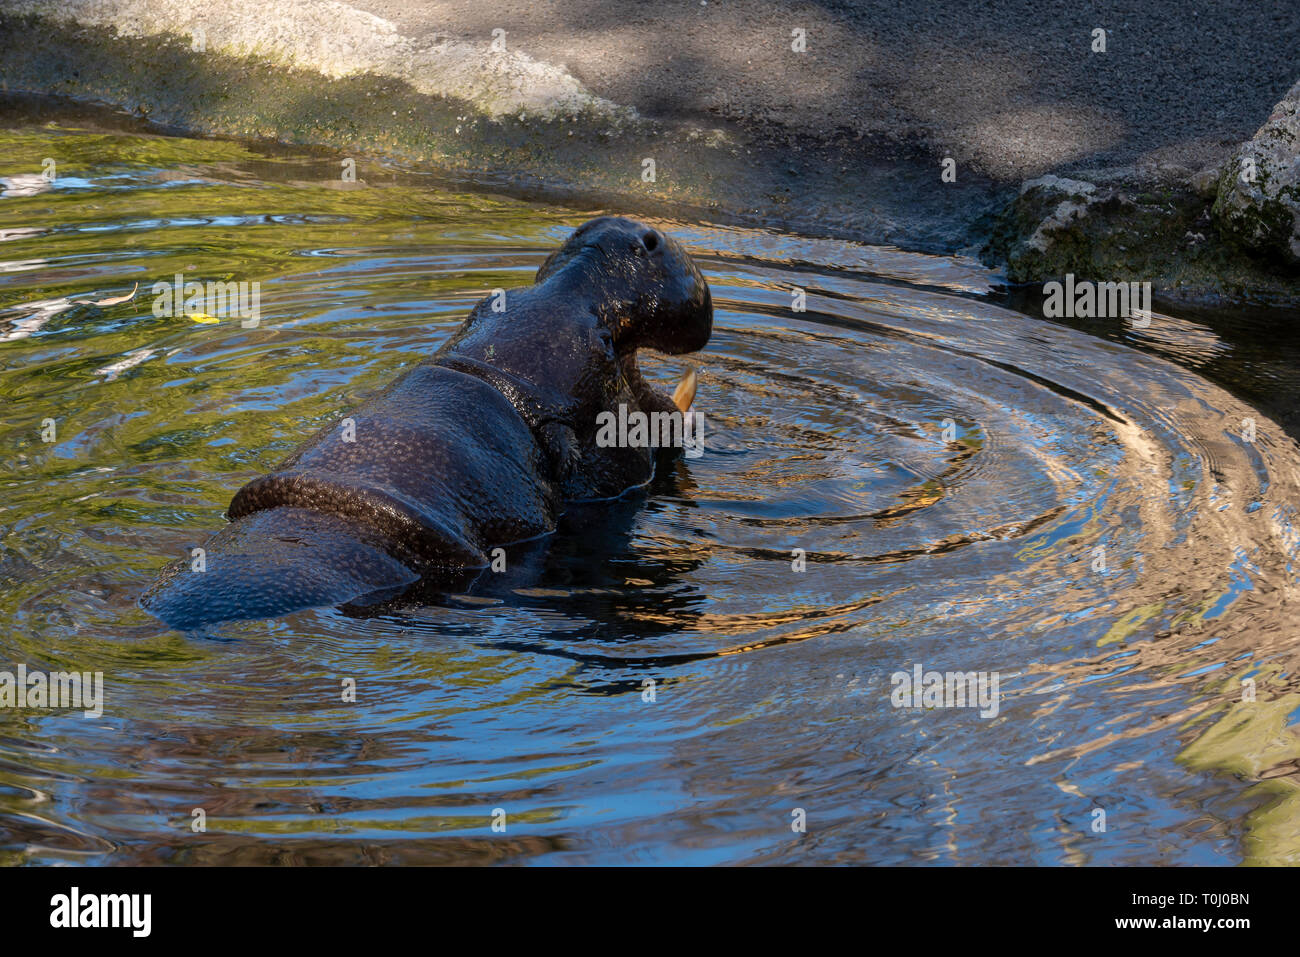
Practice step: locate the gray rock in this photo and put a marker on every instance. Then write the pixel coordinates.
(1061, 201)
(1258, 201)
(1205, 182)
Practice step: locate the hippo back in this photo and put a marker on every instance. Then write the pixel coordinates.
(439, 463)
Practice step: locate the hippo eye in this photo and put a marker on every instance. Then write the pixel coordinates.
(650, 240)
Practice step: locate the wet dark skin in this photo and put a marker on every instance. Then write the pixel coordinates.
(477, 448)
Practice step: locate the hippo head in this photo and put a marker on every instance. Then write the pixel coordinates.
(646, 291)
(564, 352)
(651, 294)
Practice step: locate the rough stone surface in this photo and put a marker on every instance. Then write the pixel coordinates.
(1258, 201)
(1068, 199)
(339, 40)
(1011, 88)
(564, 99)
(1047, 216)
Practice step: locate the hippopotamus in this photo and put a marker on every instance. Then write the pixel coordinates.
(476, 448)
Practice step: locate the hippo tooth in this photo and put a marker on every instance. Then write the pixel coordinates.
(684, 394)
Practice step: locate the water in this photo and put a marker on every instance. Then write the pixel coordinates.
(972, 549)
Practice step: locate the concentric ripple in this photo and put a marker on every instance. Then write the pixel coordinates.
(900, 473)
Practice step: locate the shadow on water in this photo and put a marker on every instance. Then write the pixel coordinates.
(907, 473)
(587, 570)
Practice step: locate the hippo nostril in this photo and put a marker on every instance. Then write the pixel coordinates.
(650, 240)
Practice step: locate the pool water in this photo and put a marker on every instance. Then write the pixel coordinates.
(906, 473)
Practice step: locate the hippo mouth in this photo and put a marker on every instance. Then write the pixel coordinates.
(651, 398)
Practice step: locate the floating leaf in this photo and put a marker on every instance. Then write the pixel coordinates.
(113, 301)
